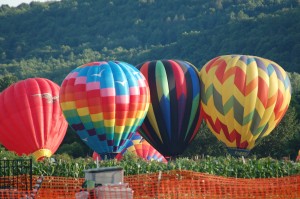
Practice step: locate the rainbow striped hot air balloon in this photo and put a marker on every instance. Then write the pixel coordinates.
(173, 118)
(243, 99)
(141, 148)
(105, 103)
(132, 139)
(147, 152)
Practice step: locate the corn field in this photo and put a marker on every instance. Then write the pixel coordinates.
(227, 166)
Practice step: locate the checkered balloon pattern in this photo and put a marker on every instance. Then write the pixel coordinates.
(105, 103)
(243, 98)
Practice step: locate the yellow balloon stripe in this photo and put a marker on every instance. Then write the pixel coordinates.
(161, 77)
(97, 117)
(83, 111)
(153, 122)
(109, 123)
(68, 105)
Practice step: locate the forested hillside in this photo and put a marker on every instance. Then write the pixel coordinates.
(50, 39)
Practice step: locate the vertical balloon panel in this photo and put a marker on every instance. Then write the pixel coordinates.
(105, 102)
(243, 99)
(173, 118)
(31, 120)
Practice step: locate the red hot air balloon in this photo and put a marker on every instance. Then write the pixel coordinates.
(31, 120)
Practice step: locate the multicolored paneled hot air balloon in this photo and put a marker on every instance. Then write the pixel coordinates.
(243, 99)
(133, 139)
(105, 103)
(31, 120)
(141, 148)
(173, 118)
(147, 152)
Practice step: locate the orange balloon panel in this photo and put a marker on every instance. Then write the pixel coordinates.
(31, 120)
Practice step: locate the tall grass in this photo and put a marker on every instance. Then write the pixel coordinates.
(64, 165)
(221, 166)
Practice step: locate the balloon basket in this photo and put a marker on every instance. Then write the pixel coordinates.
(109, 156)
(238, 152)
(171, 158)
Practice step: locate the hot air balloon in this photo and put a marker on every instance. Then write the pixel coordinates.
(243, 99)
(145, 151)
(141, 148)
(31, 120)
(133, 139)
(173, 118)
(105, 103)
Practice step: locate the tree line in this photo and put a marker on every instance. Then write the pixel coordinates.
(52, 38)
(135, 31)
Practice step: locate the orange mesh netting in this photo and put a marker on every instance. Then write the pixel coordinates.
(188, 184)
(174, 184)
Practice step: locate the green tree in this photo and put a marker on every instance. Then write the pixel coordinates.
(73, 146)
(281, 141)
(6, 81)
(205, 143)
(295, 82)
(74, 149)
(219, 4)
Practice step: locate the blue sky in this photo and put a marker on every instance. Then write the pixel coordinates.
(14, 3)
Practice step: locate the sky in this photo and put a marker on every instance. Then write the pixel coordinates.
(14, 3)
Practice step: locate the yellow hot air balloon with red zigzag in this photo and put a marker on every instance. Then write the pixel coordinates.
(243, 98)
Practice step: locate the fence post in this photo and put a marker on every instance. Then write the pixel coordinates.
(30, 171)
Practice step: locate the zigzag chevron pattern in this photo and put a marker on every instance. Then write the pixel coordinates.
(243, 98)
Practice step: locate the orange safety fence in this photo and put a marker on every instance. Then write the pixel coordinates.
(172, 184)
(189, 184)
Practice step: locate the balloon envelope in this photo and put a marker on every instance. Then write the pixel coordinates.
(105, 102)
(243, 99)
(31, 120)
(141, 148)
(134, 139)
(173, 118)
